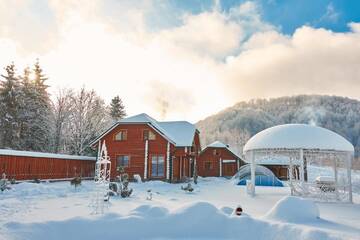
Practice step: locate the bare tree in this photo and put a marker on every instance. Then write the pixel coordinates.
(87, 120)
(62, 110)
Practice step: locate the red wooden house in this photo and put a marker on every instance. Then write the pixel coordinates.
(152, 149)
(217, 159)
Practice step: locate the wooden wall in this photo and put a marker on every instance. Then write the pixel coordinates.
(29, 168)
(228, 169)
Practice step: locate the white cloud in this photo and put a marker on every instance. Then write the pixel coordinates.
(331, 15)
(310, 61)
(196, 68)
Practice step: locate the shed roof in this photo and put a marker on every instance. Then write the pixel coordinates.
(218, 144)
(298, 136)
(9, 152)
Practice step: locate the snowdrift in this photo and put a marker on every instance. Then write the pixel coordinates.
(295, 210)
(200, 220)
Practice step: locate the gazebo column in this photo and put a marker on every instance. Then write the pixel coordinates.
(336, 178)
(291, 171)
(348, 168)
(302, 168)
(253, 168)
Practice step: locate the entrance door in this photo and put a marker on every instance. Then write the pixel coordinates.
(157, 166)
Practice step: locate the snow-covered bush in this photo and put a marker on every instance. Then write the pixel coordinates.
(4, 184)
(121, 186)
(187, 188)
(137, 178)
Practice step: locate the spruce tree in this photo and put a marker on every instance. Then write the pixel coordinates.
(9, 109)
(40, 127)
(28, 109)
(117, 109)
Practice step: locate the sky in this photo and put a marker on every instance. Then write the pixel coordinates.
(187, 59)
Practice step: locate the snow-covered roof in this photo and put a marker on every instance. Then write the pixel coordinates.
(180, 133)
(298, 136)
(8, 152)
(218, 144)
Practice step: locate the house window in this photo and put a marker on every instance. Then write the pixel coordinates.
(215, 152)
(157, 166)
(149, 135)
(123, 160)
(208, 166)
(121, 135)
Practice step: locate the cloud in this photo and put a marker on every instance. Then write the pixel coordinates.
(185, 69)
(331, 15)
(310, 61)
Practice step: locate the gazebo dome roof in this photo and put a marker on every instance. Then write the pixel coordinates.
(298, 136)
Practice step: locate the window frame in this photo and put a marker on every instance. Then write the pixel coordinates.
(157, 164)
(123, 155)
(119, 131)
(150, 133)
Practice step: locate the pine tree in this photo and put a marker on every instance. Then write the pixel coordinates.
(40, 128)
(9, 109)
(28, 109)
(117, 109)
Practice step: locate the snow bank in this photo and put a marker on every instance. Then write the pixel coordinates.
(294, 210)
(200, 220)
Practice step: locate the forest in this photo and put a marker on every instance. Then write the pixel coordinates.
(235, 125)
(33, 120)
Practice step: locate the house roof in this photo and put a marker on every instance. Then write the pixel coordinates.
(180, 133)
(298, 136)
(218, 144)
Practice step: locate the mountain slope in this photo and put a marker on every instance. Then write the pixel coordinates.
(235, 125)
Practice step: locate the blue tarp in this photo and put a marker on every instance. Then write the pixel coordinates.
(262, 180)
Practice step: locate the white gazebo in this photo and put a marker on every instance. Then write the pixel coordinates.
(304, 146)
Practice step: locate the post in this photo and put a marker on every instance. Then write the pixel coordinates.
(302, 168)
(348, 167)
(237, 164)
(253, 169)
(146, 159)
(181, 165)
(336, 178)
(291, 171)
(168, 161)
(220, 167)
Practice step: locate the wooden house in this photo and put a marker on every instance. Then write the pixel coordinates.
(152, 149)
(217, 159)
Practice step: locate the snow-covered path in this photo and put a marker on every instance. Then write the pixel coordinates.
(27, 205)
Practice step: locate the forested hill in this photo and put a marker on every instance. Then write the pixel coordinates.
(235, 125)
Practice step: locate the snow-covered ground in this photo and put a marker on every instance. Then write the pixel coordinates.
(56, 211)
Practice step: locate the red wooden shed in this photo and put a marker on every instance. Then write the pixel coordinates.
(217, 159)
(25, 165)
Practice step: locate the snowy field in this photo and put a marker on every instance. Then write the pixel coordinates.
(57, 211)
